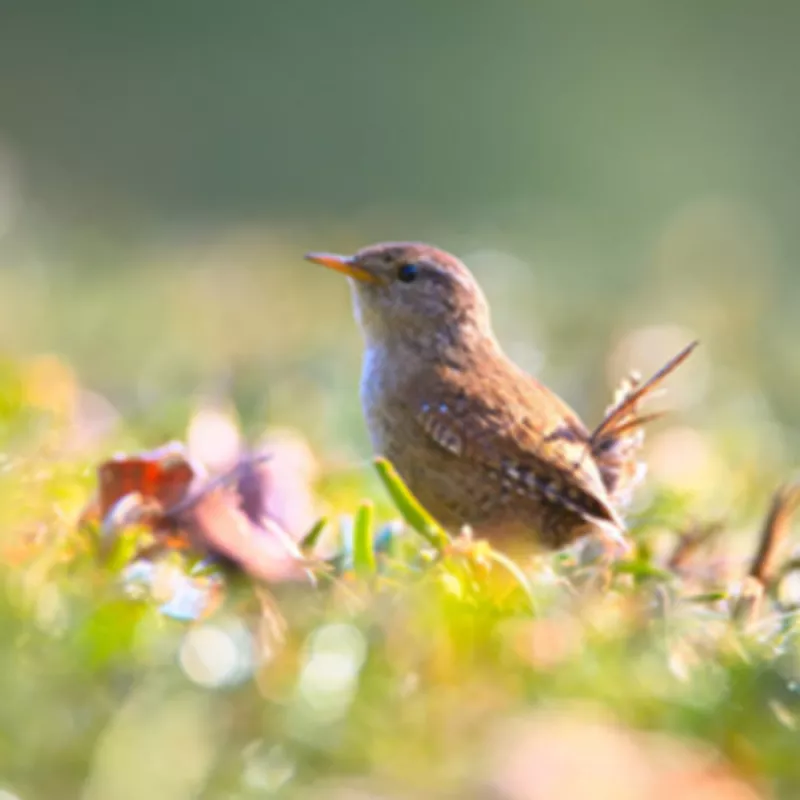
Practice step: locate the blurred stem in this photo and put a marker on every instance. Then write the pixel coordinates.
(776, 528)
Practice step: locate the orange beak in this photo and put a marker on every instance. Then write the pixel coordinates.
(343, 264)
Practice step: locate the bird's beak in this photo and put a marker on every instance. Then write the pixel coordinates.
(343, 264)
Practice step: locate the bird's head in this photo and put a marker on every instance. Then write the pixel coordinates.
(414, 292)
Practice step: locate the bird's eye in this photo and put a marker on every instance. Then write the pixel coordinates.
(407, 273)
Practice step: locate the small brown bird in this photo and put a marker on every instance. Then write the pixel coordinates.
(477, 440)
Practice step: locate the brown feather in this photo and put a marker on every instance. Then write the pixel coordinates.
(628, 403)
(617, 442)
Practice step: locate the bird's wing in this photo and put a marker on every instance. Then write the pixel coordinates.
(522, 435)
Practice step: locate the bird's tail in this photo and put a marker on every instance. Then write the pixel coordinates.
(617, 441)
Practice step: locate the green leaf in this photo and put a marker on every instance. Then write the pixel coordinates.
(309, 541)
(408, 505)
(363, 551)
(707, 597)
(641, 570)
(124, 548)
(110, 632)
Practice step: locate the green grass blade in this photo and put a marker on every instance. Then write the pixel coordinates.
(642, 570)
(363, 550)
(706, 597)
(122, 551)
(408, 505)
(309, 541)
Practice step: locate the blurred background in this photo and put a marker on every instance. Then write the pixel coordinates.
(621, 176)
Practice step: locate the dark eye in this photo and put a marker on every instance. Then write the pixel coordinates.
(407, 273)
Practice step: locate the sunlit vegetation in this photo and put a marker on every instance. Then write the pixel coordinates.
(375, 654)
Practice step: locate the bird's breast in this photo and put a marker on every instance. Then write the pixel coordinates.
(382, 400)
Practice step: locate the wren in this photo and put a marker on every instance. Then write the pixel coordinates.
(479, 442)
